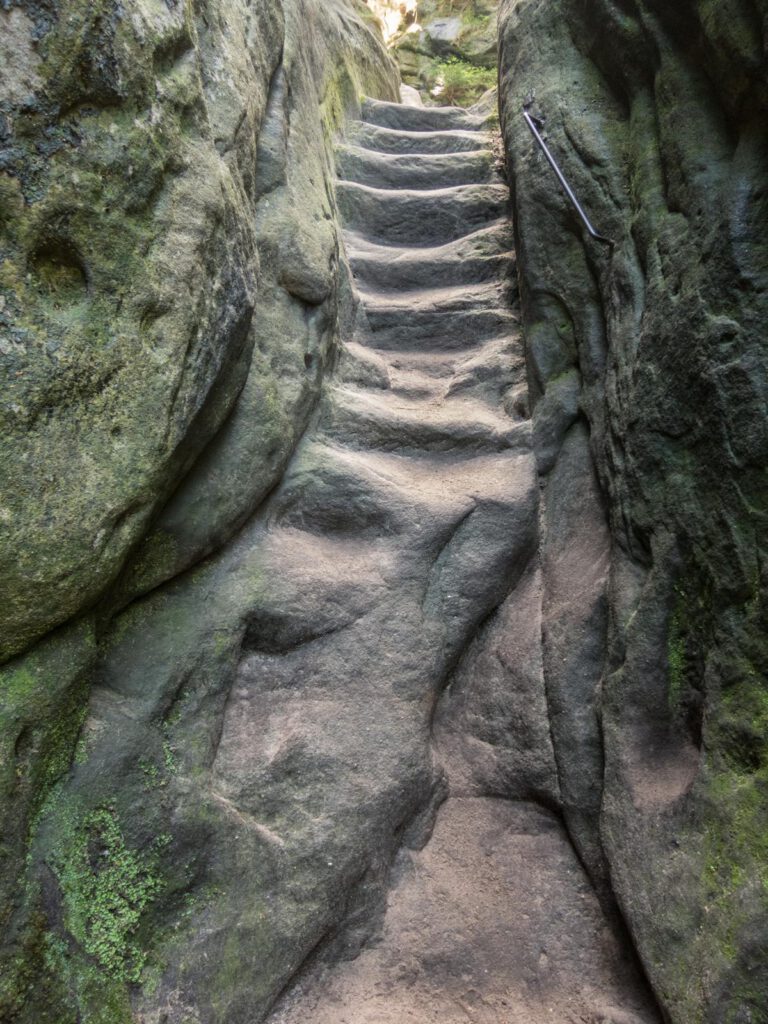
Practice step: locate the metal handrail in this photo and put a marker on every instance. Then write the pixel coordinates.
(534, 123)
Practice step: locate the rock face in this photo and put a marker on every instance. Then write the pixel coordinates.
(272, 729)
(366, 657)
(129, 278)
(171, 289)
(647, 373)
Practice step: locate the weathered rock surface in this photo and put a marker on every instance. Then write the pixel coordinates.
(273, 705)
(490, 916)
(646, 370)
(270, 729)
(171, 291)
(494, 920)
(364, 662)
(129, 277)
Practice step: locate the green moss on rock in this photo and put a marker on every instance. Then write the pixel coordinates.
(107, 887)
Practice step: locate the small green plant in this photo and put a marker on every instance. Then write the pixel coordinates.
(456, 82)
(151, 773)
(107, 888)
(169, 757)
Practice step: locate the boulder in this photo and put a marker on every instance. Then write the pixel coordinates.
(442, 30)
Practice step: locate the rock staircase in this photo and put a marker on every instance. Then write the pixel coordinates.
(403, 543)
(346, 711)
(429, 242)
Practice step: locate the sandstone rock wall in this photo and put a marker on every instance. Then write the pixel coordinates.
(266, 598)
(171, 291)
(646, 367)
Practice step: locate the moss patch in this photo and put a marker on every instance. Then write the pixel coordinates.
(107, 887)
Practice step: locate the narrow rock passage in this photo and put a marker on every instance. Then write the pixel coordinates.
(493, 921)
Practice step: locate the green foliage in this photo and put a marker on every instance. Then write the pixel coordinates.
(733, 788)
(468, 10)
(107, 887)
(736, 858)
(152, 776)
(80, 994)
(738, 845)
(169, 757)
(45, 727)
(456, 82)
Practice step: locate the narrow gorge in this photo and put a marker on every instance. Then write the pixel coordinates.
(384, 594)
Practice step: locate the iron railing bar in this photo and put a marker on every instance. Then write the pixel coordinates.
(534, 124)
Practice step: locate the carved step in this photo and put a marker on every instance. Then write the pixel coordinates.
(392, 423)
(385, 267)
(416, 170)
(492, 240)
(419, 119)
(333, 489)
(387, 140)
(418, 218)
(489, 294)
(493, 373)
(438, 332)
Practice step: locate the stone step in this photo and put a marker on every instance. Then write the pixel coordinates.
(416, 170)
(367, 368)
(489, 373)
(387, 140)
(418, 218)
(383, 421)
(378, 272)
(494, 374)
(441, 366)
(338, 491)
(432, 372)
(495, 239)
(437, 301)
(395, 329)
(419, 119)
